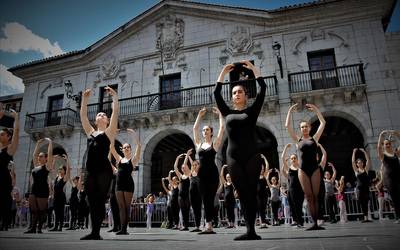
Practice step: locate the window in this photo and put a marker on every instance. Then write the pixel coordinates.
(250, 85)
(322, 64)
(167, 84)
(106, 100)
(54, 116)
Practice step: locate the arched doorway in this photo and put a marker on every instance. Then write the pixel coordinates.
(163, 157)
(266, 144)
(339, 138)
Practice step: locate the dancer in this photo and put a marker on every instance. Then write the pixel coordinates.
(363, 181)
(242, 155)
(8, 147)
(174, 191)
(208, 171)
(169, 208)
(285, 203)
(98, 168)
(194, 192)
(340, 186)
(274, 185)
(40, 185)
(330, 199)
(229, 196)
(59, 194)
(124, 182)
(295, 194)
(391, 167)
(262, 193)
(74, 203)
(184, 185)
(309, 174)
(83, 210)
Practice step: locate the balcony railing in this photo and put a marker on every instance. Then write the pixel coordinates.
(65, 117)
(342, 76)
(189, 97)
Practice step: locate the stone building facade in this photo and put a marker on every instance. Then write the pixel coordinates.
(335, 54)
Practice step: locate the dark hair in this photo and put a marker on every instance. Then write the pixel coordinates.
(63, 167)
(8, 131)
(360, 159)
(76, 178)
(243, 87)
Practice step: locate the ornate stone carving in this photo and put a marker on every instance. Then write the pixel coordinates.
(342, 41)
(58, 82)
(110, 67)
(239, 41)
(170, 34)
(317, 34)
(44, 90)
(295, 50)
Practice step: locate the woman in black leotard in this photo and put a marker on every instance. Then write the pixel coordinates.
(208, 171)
(184, 185)
(40, 185)
(58, 193)
(363, 181)
(309, 174)
(391, 167)
(194, 192)
(124, 182)
(229, 196)
(262, 193)
(73, 203)
(98, 167)
(8, 147)
(295, 194)
(242, 155)
(173, 190)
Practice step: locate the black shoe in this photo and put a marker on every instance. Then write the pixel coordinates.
(122, 232)
(207, 232)
(247, 236)
(196, 230)
(30, 231)
(92, 237)
(184, 229)
(315, 227)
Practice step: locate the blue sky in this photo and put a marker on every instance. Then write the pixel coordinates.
(35, 29)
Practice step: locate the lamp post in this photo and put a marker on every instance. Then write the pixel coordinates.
(68, 93)
(277, 51)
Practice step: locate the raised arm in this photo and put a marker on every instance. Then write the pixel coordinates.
(196, 127)
(12, 148)
(49, 154)
(266, 164)
(135, 139)
(221, 175)
(83, 113)
(288, 123)
(177, 172)
(67, 175)
(321, 119)
(334, 172)
(284, 158)
(218, 141)
(114, 152)
(185, 162)
(163, 185)
(353, 161)
(112, 128)
(368, 160)
(324, 156)
(267, 178)
(258, 103)
(36, 153)
(222, 106)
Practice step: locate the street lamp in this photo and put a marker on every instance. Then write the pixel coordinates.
(68, 93)
(277, 51)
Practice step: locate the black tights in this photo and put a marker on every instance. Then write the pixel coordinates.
(184, 204)
(393, 187)
(261, 205)
(208, 190)
(124, 200)
(296, 199)
(97, 186)
(230, 210)
(244, 178)
(195, 201)
(5, 209)
(115, 212)
(364, 199)
(59, 211)
(38, 207)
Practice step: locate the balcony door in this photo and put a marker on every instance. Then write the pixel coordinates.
(55, 103)
(322, 63)
(169, 84)
(106, 100)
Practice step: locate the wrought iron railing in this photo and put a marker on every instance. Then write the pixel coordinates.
(342, 76)
(64, 117)
(188, 97)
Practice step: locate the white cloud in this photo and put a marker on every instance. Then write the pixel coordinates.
(9, 84)
(18, 38)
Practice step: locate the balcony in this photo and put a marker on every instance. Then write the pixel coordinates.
(51, 122)
(346, 81)
(186, 100)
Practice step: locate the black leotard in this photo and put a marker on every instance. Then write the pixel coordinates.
(209, 180)
(5, 177)
(308, 156)
(241, 153)
(184, 188)
(40, 185)
(59, 195)
(295, 196)
(391, 175)
(97, 156)
(229, 194)
(195, 199)
(124, 177)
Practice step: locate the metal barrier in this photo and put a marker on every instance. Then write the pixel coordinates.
(138, 211)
